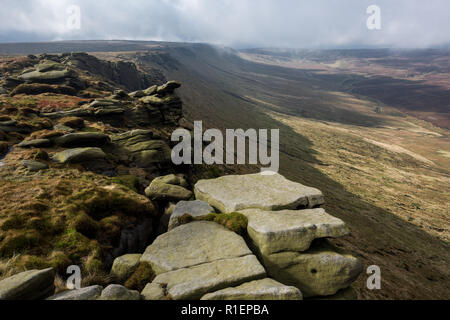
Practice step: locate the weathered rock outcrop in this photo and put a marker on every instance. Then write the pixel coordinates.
(289, 243)
(122, 73)
(142, 148)
(73, 146)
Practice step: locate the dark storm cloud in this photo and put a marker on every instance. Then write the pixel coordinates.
(276, 23)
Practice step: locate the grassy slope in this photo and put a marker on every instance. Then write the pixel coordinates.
(393, 202)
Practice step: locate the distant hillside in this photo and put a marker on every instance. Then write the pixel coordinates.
(415, 81)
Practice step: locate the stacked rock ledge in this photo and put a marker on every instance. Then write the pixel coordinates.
(286, 231)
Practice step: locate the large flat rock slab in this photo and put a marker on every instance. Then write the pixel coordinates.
(291, 230)
(266, 289)
(28, 285)
(267, 192)
(194, 244)
(320, 271)
(194, 282)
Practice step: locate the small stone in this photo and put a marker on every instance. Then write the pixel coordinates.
(33, 165)
(88, 293)
(153, 291)
(38, 143)
(195, 208)
(124, 266)
(169, 179)
(118, 292)
(79, 155)
(167, 192)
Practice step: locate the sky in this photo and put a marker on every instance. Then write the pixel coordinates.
(234, 23)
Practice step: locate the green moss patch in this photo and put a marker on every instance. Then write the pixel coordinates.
(129, 181)
(64, 218)
(143, 275)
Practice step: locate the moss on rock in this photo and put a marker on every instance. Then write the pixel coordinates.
(129, 181)
(66, 217)
(234, 221)
(143, 275)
